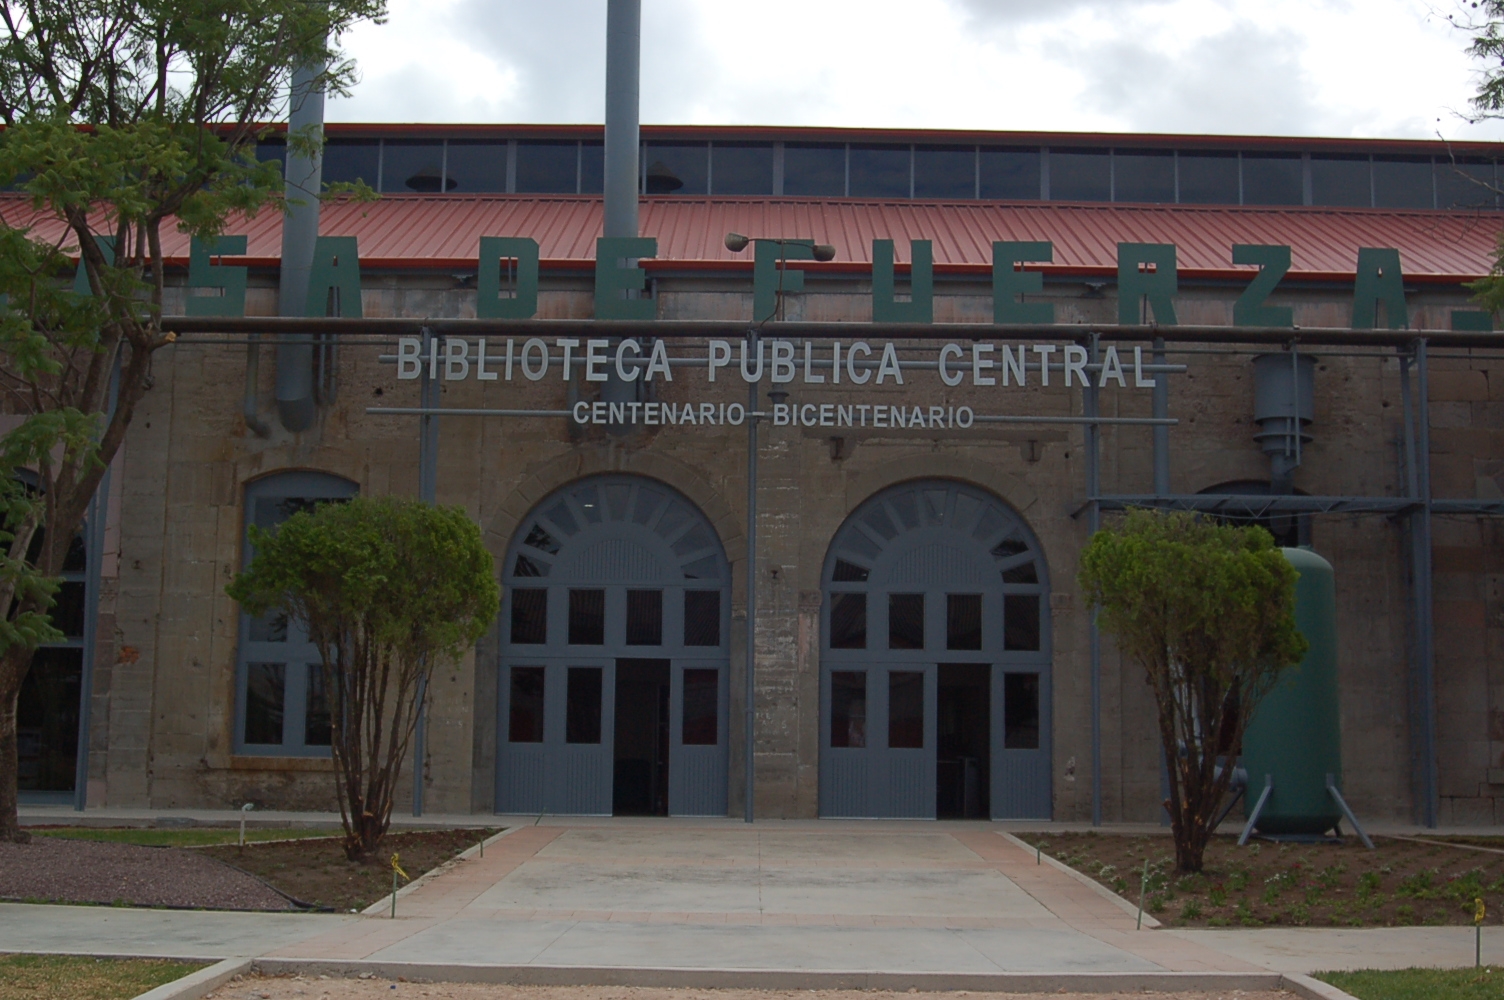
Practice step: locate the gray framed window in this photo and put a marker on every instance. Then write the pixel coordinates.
(280, 704)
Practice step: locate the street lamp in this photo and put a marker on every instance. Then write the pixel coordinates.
(736, 243)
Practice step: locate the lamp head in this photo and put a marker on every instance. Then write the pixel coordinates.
(824, 252)
(736, 242)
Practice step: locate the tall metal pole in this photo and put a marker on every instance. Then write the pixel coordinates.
(1424, 625)
(1093, 522)
(1161, 432)
(750, 714)
(623, 55)
(428, 492)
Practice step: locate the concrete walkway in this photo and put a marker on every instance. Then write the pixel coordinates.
(931, 898)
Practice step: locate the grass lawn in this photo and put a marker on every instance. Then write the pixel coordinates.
(1402, 883)
(195, 836)
(1420, 984)
(69, 977)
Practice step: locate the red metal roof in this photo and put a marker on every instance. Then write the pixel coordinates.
(443, 231)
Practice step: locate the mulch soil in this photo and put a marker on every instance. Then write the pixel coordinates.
(52, 870)
(316, 872)
(257, 987)
(1400, 883)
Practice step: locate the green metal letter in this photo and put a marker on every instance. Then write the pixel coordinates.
(921, 305)
(202, 273)
(81, 277)
(1472, 319)
(768, 279)
(1008, 284)
(334, 279)
(1379, 280)
(523, 302)
(613, 281)
(1273, 262)
(1136, 282)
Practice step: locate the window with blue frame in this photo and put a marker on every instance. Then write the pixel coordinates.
(281, 708)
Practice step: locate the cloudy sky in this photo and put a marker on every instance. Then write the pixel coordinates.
(1387, 68)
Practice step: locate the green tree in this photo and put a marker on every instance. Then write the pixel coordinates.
(1483, 20)
(121, 117)
(1208, 610)
(389, 589)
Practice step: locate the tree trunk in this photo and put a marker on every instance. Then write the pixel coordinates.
(13, 668)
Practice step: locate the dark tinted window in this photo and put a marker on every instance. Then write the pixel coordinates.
(741, 168)
(879, 171)
(1340, 180)
(1021, 711)
(525, 722)
(68, 610)
(1009, 174)
(702, 699)
(265, 696)
(963, 621)
(945, 172)
(1402, 183)
(906, 709)
(547, 167)
(587, 617)
(905, 621)
(1271, 179)
(347, 160)
(676, 169)
(848, 621)
(272, 149)
(1143, 176)
(1080, 175)
(1208, 178)
(47, 720)
(582, 709)
(644, 618)
(318, 729)
(848, 708)
(814, 170)
(1465, 182)
(409, 166)
(592, 168)
(529, 616)
(702, 618)
(477, 166)
(1021, 621)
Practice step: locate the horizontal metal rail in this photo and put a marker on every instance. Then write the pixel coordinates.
(438, 411)
(734, 329)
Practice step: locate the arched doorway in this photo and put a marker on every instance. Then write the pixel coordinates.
(935, 659)
(613, 683)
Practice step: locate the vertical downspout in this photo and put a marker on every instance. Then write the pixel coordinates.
(300, 227)
(1093, 523)
(428, 492)
(623, 143)
(1161, 432)
(750, 697)
(1424, 624)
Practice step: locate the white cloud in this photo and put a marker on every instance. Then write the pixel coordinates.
(1307, 67)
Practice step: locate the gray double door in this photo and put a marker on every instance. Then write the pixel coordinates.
(935, 679)
(613, 688)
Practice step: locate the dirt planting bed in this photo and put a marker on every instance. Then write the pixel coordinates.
(1400, 883)
(316, 871)
(52, 870)
(319, 987)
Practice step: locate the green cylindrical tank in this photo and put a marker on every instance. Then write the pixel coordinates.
(1295, 735)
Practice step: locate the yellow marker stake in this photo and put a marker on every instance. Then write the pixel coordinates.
(1478, 913)
(396, 870)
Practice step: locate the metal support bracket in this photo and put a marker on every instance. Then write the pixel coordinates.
(1331, 787)
(1258, 807)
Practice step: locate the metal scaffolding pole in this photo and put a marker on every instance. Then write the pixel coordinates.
(1424, 617)
(750, 713)
(428, 492)
(1089, 406)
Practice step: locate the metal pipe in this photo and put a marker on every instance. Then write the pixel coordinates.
(249, 408)
(428, 491)
(1094, 522)
(1161, 404)
(1010, 418)
(300, 228)
(791, 329)
(751, 637)
(623, 57)
(1425, 634)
